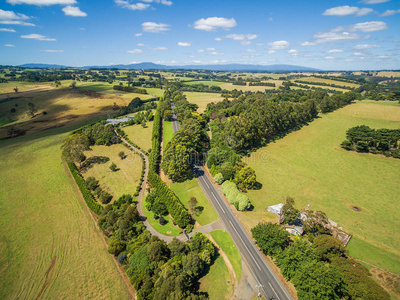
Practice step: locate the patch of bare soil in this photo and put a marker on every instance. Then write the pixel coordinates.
(389, 281)
(46, 275)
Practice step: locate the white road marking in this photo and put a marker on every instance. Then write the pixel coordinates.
(245, 245)
(273, 290)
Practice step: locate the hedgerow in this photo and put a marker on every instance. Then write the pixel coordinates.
(156, 140)
(87, 195)
(235, 197)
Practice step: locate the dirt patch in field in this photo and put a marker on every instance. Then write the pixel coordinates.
(389, 281)
(46, 275)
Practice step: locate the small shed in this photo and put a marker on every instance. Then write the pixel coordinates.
(295, 230)
(276, 209)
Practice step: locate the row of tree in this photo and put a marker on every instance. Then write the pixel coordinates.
(156, 141)
(130, 89)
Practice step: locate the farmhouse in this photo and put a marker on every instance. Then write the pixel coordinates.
(119, 121)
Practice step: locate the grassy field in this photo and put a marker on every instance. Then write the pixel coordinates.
(122, 181)
(205, 82)
(166, 229)
(215, 282)
(22, 86)
(49, 243)
(139, 135)
(190, 188)
(167, 132)
(227, 245)
(310, 166)
(202, 99)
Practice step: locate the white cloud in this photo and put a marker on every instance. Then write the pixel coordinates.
(292, 51)
(7, 30)
(390, 12)
(307, 44)
(14, 22)
(361, 47)
(38, 37)
(335, 51)
(329, 58)
(358, 54)
(82, 28)
(250, 50)
(277, 45)
(138, 34)
(9, 45)
(135, 51)
(200, 50)
(326, 37)
(369, 26)
(374, 1)
(210, 49)
(159, 48)
(216, 53)
(154, 27)
(9, 17)
(165, 2)
(212, 24)
(135, 6)
(347, 10)
(142, 45)
(271, 52)
(53, 51)
(73, 11)
(42, 2)
(184, 44)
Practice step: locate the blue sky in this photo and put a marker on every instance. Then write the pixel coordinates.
(325, 34)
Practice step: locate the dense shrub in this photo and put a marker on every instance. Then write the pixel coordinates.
(219, 179)
(230, 190)
(91, 183)
(87, 195)
(130, 89)
(105, 197)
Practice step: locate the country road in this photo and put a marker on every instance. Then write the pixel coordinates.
(271, 286)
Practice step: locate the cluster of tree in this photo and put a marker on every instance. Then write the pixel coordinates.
(40, 76)
(161, 271)
(172, 203)
(86, 193)
(187, 144)
(130, 89)
(365, 139)
(325, 84)
(271, 84)
(319, 270)
(239, 200)
(98, 134)
(137, 105)
(140, 118)
(121, 222)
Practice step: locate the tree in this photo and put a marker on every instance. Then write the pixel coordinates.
(316, 222)
(105, 197)
(176, 247)
(73, 147)
(247, 177)
(32, 109)
(121, 155)
(157, 251)
(219, 178)
(91, 183)
(271, 238)
(316, 281)
(289, 212)
(16, 89)
(113, 167)
(73, 85)
(115, 246)
(192, 203)
(327, 246)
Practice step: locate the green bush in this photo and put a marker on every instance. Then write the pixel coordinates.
(241, 201)
(105, 197)
(219, 179)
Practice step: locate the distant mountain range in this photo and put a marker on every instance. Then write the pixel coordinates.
(152, 66)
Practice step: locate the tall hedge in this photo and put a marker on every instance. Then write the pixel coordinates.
(87, 195)
(234, 196)
(156, 140)
(174, 206)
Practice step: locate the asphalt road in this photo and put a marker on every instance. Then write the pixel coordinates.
(271, 287)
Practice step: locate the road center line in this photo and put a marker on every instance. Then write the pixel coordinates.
(273, 290)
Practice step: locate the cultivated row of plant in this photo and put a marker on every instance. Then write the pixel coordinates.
(174, 206)
(130, 89)
(377, 141)
(86, 193)
(156, 140)
(271, 84)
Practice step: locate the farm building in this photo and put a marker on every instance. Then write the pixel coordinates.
(119, 121)
(276, 209)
